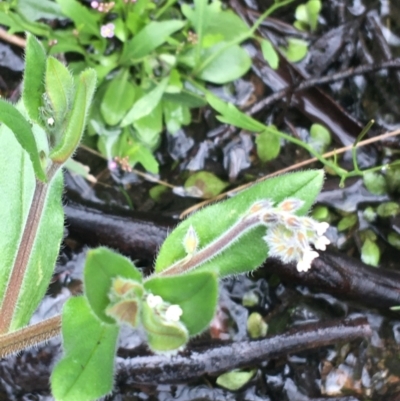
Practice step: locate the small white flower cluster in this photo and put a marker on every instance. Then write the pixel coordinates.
(289, 236)
(171, 313)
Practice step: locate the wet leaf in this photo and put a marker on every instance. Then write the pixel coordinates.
(149, 38)
(296, 49)
(149, 127)
(146, 104)
(370, 253)
(221, 65)
(195, 293)
(235, 379)
(175, 115)
(269, 53)
(249, 251)
(101, 267)
(347, 222)
(388, 209)
(307, 14)
(84, 19)
(375, 183)
(207, 184)
(268, 146)
(118, 98)
(256, 327)
(86, 371)
(320, 138)
(394, 239)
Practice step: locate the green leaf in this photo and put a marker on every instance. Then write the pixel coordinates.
(249, 251)
(17, 123)
(102, 265)
(370, 253)
(269, 53)
(320, 138)
(196, 293)
(388, 209)
(296, 49)
(220, 65)
(268, 146)
(149, 38)
(162, 335)
(77, 119)
(149, 127)
(375, 183)
(84, 19)
(34, 10)
(86, 371)
(347, 222)
(175, 115)
(33, 84)
(231, 115)
(17, 183)
(235, 379)
(206, 183)
(308, 13)
(118, 98)
(60, 90)
(146, 104)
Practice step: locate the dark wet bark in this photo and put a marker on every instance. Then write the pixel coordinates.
(213, 360)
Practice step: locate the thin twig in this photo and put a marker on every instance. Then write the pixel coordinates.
(13, 39)
(363, 69)
(287, 169)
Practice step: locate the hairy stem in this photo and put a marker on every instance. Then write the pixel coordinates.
(28, 336)
(20, 266)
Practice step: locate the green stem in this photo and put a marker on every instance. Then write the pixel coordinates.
(359, 138)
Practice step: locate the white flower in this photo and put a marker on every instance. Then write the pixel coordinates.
(304, 264)
(320, 228)
(154, 300)
(321, 242)
(50, 121)
(173, 313)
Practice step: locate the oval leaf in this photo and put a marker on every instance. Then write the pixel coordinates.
(102, 266)
(118, 99)
(224, 65)
(195, 293)
(86, 371)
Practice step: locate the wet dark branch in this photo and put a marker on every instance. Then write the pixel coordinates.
(312, 82)
(195, 362)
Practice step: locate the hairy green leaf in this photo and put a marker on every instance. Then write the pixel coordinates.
(196, 293)
(16, 122)
(249, 250)
(86, 371)
(33, 84)
(102, 265)
(77, 119)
